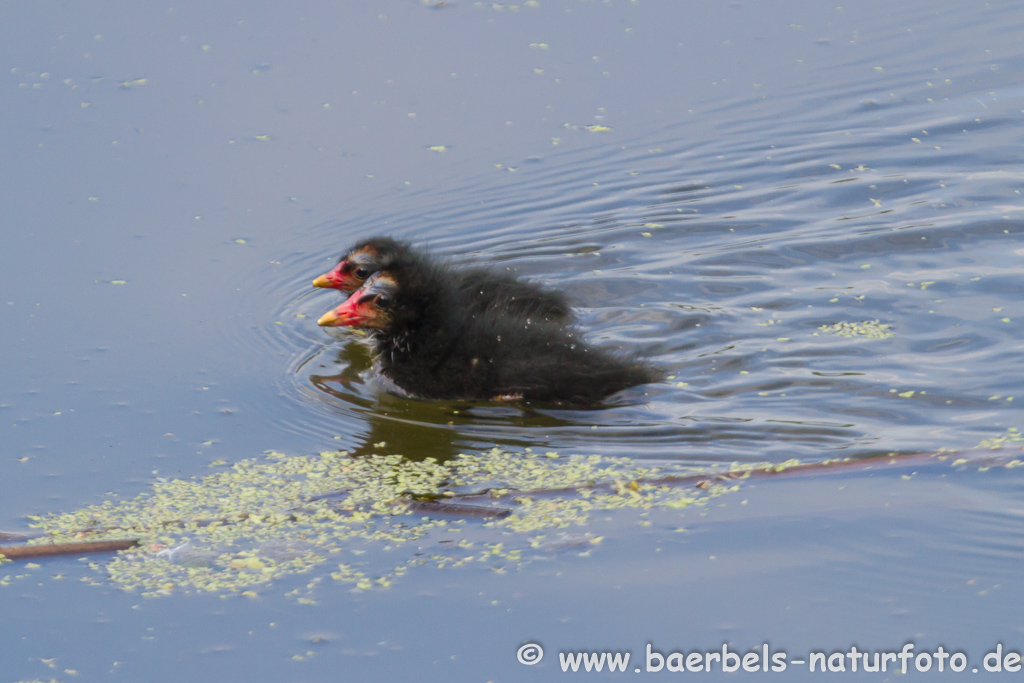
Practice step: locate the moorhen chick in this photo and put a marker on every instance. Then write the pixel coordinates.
(481, 288)
(433, 343)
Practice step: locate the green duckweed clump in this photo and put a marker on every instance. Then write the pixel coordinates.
(367, 521)
(1011, 436)
(871, 329)
(270, 517)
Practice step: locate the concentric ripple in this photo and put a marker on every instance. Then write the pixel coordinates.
(725, 261)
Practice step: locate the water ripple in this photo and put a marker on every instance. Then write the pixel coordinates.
(721, 259)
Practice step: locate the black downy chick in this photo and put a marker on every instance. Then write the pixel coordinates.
(481, 288)
(434, 344)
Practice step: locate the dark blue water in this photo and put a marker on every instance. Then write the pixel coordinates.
(710, 183)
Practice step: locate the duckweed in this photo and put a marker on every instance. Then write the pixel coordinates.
(869, 328)
(263, 519)
(1011, 436)
(237, 530)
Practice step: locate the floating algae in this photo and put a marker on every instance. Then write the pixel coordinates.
(1011, 436)
(263, 519)
(279, 515)
(871, 329)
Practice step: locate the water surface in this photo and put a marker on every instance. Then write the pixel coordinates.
(711, 184)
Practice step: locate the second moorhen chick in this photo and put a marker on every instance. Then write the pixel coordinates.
(431, 344)
(482, 289)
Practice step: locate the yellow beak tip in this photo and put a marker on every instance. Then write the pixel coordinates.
(322, 281)
(328, 319)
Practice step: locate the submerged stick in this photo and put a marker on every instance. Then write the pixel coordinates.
(444, 507)
(704, 480)
(25, 552)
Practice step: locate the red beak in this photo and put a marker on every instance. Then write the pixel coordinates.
(331, 279)
(344, 315)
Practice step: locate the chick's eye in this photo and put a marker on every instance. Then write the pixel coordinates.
(383, 301)
(362, 273)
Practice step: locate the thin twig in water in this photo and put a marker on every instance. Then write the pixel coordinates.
(458, 509)
(25, 552)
